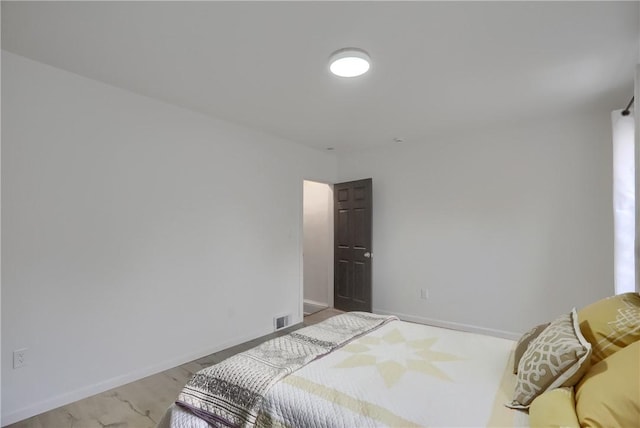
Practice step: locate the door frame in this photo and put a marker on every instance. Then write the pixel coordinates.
(330, 266)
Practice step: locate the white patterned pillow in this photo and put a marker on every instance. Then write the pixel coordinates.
(559, 356)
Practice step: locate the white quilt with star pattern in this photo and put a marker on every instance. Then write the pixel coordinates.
(400, 375)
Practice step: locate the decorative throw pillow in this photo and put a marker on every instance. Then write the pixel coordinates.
(609, 394)
(559, 356)
(524, 342)
(611, 324)
(554, 408)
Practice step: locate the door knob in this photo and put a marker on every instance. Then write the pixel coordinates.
(368, 255)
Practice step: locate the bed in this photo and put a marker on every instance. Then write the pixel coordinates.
(385, 372)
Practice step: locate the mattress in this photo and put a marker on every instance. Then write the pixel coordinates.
(399, 375)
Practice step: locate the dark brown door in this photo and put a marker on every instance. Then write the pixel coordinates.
(352, 270)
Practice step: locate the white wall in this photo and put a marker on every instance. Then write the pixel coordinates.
(636, 112)
(505, 228)
(318, 242)
(0, 240)
(136, 235)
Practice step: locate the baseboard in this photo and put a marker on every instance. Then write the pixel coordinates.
(316, 303)
(85, 392)
(452, 325)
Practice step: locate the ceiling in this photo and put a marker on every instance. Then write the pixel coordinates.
(437, 67)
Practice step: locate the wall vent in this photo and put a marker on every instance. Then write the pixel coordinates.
(280, 322)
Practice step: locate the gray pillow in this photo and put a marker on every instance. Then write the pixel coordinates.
(559, 356)
(524, 342)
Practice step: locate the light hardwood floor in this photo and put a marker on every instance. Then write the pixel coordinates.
(141, 404)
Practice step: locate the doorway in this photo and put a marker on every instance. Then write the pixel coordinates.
(317, 252)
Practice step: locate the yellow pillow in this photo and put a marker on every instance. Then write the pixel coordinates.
(554, 409)
(611, 324)
(609, 394)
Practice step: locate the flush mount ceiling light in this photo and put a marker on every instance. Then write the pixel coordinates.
(349, 62)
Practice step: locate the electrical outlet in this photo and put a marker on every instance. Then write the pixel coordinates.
(19, 358)
(424, 293)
